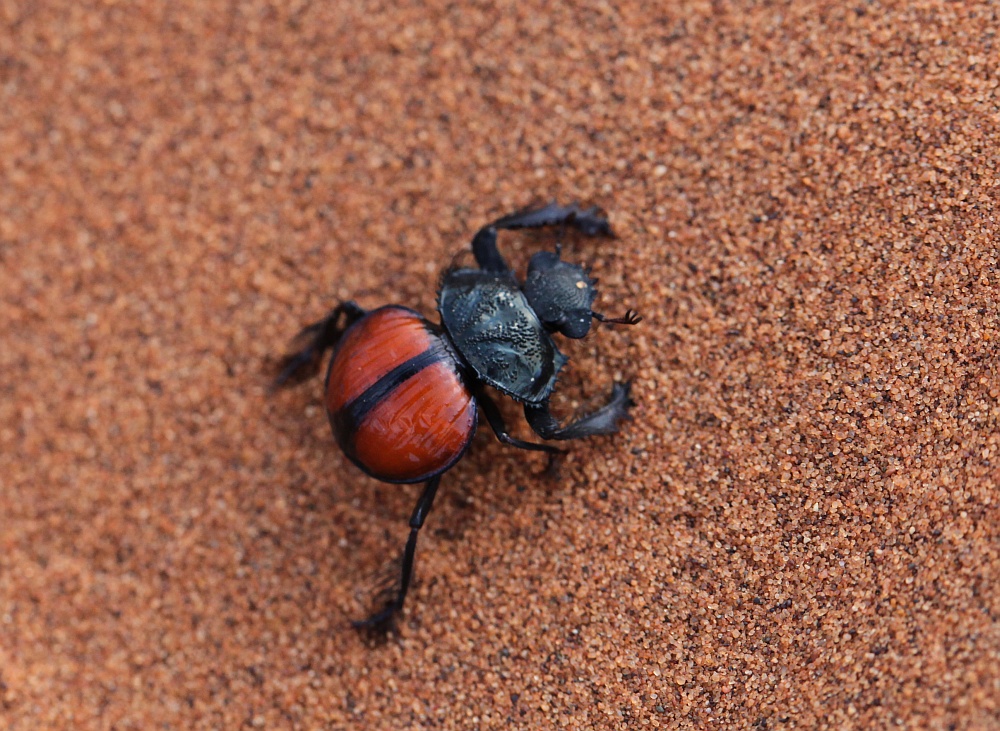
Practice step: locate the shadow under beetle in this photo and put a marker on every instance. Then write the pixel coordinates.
(402, 393)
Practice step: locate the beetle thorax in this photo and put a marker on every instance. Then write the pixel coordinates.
(499, 336)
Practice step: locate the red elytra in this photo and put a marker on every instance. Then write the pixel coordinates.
(397, 403)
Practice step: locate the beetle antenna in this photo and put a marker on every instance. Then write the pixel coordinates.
(631, 317)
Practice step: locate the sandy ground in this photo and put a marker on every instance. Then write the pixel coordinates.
(798, 529)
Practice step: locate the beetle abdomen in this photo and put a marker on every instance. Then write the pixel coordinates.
(396, 401)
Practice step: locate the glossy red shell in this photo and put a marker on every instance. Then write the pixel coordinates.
(397, 403)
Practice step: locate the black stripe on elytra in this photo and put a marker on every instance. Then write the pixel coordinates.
(347, 420)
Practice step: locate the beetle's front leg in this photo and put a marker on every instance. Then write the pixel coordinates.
(603, 421)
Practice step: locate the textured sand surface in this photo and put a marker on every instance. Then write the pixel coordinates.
(800, 527)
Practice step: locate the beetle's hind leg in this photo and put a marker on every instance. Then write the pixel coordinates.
(318, 337)
(603, 421)
(382, 620)
(484, 244)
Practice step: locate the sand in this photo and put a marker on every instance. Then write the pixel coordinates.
(799, 528)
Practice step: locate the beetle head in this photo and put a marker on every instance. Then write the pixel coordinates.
(560, 293)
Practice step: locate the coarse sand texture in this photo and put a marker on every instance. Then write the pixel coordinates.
(798, 528)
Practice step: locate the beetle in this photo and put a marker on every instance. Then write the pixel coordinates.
(403, 394)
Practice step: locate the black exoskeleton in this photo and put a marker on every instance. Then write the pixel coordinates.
(503, 330)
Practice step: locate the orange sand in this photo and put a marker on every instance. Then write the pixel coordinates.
(800, 526)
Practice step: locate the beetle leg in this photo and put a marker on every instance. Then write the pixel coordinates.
(589, 220)
(495, 419)
(319, 337)
(603, 421)
(484, 248)
(484, 244)
(381, 619)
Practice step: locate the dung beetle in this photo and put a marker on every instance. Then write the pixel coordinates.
(403, 394)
